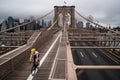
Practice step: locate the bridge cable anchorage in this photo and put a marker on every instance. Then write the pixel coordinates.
(30, 77)
(23, 25)
(95, 23)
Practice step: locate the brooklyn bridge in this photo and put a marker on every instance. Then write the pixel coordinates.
(66, 52)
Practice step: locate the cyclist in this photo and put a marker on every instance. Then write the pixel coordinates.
(34, 57)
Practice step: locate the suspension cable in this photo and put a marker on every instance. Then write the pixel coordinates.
(25, 23)
(95, 23)
(16, 27)
(55, 21)
(45, 15)
(53, 24)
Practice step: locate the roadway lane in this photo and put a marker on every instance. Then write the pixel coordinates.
(94, 57)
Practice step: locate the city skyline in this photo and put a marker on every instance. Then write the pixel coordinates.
(104, 11)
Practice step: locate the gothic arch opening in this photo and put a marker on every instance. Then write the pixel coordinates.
(68, 19)
(60, 20)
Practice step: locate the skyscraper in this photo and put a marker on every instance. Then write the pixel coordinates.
(37, 25)
(0, 27)
(4, 25)
(10, 22)
(87, 25)
(80, 24)
(42, 22)
(26, 27)
(49, 23)
(17, 22)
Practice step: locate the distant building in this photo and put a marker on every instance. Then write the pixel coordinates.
(0, 27)
(33, 25)
(31, 18)
(87, 25)
(4, 25)
(49, 23)
(116, 28)
(109, 27)
(43, 23)
(10, 22)
(80, 24)
(26, 27)
(91, 26)
(37, 25)
(17, 22)
(26, 20)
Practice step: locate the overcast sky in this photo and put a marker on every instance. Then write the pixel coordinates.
(105, 11)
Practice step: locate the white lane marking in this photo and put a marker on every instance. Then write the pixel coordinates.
(81, 54)
(30, 77)
(52, 72)
(94, 54)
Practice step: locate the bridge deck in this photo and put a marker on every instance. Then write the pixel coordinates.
(23, 71)
(44, 70)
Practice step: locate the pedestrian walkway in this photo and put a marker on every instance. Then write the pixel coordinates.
(23, 70)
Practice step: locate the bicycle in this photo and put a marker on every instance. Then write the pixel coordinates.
(34, 67)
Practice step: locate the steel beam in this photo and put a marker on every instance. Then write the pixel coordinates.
(116, 37)
(92, 40)
(98, 67)
(98, 34)
(93, 47)
(70, 71)
(9, 46)
(14, 36)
